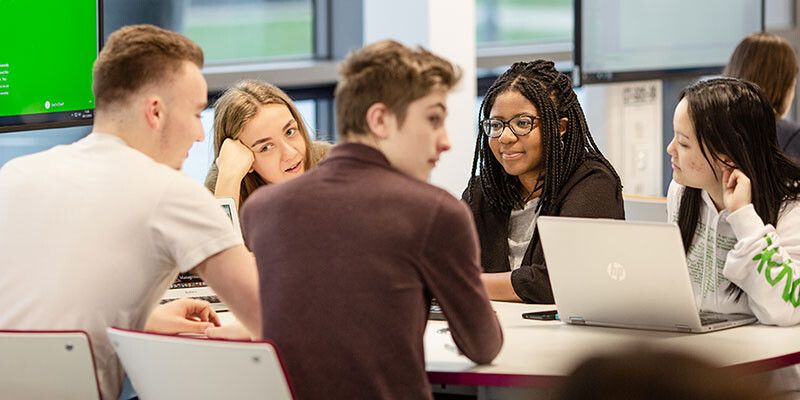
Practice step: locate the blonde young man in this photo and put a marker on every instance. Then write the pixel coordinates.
(92, 233)
(351, 252)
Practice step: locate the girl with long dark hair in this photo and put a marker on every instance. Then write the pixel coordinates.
(735, 197)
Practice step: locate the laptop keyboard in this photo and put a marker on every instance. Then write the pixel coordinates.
(210, 299)
(435, 313)
(708, 318)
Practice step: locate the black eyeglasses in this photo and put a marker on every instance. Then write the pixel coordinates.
(520, 125)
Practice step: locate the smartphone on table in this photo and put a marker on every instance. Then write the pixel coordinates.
(549, 315)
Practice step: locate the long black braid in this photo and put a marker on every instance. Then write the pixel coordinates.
(551, 92)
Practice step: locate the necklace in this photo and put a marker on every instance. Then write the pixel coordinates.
(539, 185)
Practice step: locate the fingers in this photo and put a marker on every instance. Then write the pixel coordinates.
(209, 315)
(235, 156)
(193, 309)
(234, 331)
(726, 177)
(215, 332)
(731, 178)
(191, 306)
(737, 177)
(201, 310)
(236, 143)
(189, 326)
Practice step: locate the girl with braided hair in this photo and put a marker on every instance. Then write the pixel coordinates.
(534, 156)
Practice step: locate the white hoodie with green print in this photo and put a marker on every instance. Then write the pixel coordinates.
(738, 247)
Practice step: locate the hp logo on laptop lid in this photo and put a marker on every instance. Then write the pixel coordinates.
(616, 271)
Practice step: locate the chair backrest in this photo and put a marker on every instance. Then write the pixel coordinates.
(645, 208)
(180, 367)
(47, 365)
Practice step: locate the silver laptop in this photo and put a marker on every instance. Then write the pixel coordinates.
(189, 284)
(624, 274)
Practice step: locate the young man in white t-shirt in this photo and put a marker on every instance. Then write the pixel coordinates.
(92, 233)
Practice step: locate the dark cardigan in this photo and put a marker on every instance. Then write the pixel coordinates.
(789, 138)
(590, 192)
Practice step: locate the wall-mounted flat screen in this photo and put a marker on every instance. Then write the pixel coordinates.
(624, 40)
(47, 48)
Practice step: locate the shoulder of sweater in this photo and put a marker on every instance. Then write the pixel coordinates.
(788, 125)
(427, 190)
(590, 166)
(590, 170)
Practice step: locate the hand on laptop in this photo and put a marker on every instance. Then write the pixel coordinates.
(233, 331)
(182, 316)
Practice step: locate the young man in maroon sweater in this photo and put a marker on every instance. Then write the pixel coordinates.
(351, 253)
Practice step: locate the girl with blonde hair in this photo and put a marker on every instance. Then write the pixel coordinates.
(259, 138)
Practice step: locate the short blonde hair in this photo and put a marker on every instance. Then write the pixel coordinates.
(390, 73)
(136, 56)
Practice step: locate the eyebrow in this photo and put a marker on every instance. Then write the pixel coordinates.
(682, 134)
(264, 139)
(523, 114)
(440, 105)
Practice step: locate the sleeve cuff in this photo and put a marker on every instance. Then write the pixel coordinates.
(745, 221)
(206, 250)
(518, 283)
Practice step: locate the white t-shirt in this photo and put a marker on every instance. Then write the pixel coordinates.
(92, 233)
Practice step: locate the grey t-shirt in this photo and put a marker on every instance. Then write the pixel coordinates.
(521, 225)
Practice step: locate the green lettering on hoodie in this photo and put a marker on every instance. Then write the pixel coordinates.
(791, 294)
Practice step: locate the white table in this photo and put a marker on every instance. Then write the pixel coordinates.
(537, 353)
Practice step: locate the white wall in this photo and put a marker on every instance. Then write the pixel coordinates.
(626, 121)
(447, 28)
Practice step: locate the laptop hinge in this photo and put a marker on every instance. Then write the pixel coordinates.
(683, 328)
(577, 321)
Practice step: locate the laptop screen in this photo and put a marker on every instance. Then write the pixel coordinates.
(227, 209)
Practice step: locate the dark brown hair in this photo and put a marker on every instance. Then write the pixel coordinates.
(390, 73)
(768, 61)
(648, 374)
(136, 56)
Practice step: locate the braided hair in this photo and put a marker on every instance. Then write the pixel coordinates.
(551, 93)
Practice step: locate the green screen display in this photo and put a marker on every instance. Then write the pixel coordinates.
(46, 60)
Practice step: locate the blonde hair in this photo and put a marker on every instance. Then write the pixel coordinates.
(238, 106)
(390, 73)
(139, 55)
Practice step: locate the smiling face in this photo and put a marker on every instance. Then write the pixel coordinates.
(520, 156)
(689, 167)
(277, 143)
(414, 148)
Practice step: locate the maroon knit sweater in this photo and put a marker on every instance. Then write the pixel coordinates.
(349, 256)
